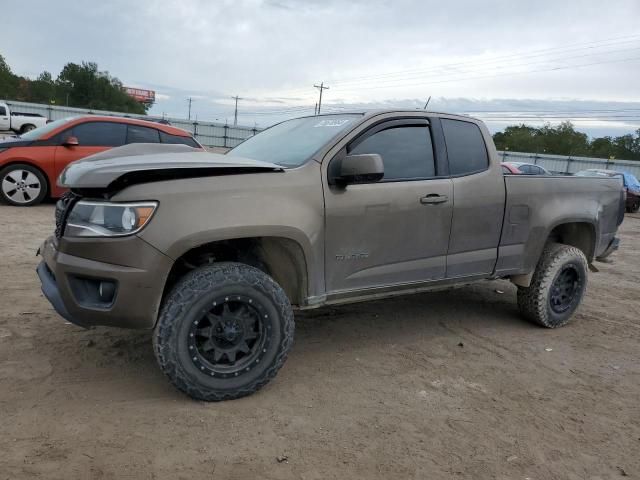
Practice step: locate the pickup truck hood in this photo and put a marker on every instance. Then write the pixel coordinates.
(140, 163)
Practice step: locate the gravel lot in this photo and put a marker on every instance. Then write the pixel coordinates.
(442, 385)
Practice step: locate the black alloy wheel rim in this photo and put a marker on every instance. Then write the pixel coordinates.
(565, 289)
(231, 337)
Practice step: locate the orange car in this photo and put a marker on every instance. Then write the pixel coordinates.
(31, 163)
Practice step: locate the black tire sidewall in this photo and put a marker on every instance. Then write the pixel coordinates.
(554, 317)
(36, 172)
(183, 325)
(188, 301)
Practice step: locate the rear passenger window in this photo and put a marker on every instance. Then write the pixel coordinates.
(466, 150)
(406, 152)
(177, 139)
(138, 134)
(100, 134)
(3, 111)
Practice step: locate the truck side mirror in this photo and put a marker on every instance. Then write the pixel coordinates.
(353, 169)
(71, 142)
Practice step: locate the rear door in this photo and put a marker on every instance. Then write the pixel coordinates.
(93, 137)
(395, 230)
(141, 134)
(479, 191)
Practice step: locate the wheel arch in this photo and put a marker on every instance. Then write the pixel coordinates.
(280, 257)
(580, 234)
(24, 127)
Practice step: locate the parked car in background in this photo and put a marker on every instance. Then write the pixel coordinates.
(522, 168)
(629, 181)
(19, 122)
(509, 169)
(31, 162)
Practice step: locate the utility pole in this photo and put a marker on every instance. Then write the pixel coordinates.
(428, 100)
(235, 113)
(320, 87)
(189, 100)
(315, 109)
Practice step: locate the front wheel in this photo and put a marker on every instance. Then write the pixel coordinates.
(557, 287)
(224, 332)
(635, 206)
(22, 185)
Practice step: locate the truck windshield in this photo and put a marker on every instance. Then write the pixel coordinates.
(292, 143)
(36, 133)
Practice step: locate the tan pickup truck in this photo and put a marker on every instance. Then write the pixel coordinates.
(212, 251)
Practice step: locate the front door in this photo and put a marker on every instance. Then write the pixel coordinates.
(395, 230)
(93, 137)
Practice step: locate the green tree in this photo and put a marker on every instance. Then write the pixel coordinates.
(78, 85)
(43, 89)
(8, 81)
(565, 140)
(90, 88)
(518, 138)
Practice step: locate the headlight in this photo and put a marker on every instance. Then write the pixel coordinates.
(103, 219)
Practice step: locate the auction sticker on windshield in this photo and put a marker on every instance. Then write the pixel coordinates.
(332, 122)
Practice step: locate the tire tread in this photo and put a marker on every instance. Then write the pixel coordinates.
(188, 289)
(532, 300)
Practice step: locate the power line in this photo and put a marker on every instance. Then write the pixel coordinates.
(630, 59)
(529, 54)
(518, 56)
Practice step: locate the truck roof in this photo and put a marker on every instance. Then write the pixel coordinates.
(375, 112)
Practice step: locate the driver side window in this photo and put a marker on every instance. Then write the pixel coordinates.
(406, 151)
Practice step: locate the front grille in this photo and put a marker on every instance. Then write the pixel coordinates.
(63, 207)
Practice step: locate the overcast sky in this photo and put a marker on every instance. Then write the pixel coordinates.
(526, 60)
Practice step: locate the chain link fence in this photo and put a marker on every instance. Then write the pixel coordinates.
(570, 164)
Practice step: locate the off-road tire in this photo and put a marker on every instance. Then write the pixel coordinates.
(534, 302)
(44, 186)
(186, 301)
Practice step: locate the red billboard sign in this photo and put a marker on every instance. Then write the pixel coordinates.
(140, 94)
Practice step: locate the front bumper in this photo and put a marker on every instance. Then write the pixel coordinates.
(66, 280)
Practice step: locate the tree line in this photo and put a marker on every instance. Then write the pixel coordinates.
(78, 85)
(565, 140)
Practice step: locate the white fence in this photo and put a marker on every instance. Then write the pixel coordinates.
(570, 164)
(210, 134)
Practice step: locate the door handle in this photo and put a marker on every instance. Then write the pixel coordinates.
(433, 199)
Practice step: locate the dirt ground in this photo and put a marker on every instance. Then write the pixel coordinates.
(435, 386)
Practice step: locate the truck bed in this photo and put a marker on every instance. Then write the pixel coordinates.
(536, 204)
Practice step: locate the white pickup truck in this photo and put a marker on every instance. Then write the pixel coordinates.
(19, 122)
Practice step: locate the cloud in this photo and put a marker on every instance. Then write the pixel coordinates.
(272, 52)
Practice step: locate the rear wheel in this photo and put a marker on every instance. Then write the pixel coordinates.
(27, 128)
(635, 206)
(22, 185)
(224, 332)
(557, 286)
